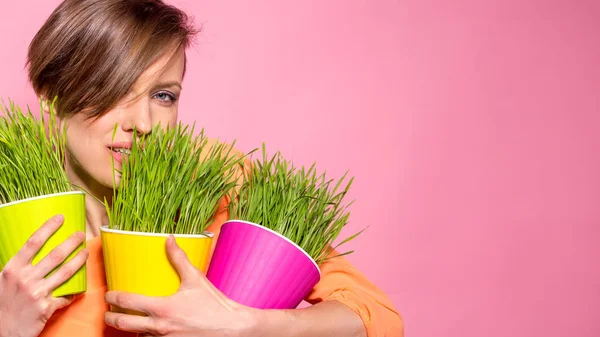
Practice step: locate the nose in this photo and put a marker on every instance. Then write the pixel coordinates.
(137, 117)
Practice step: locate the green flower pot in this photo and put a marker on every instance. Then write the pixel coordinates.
(20, 219)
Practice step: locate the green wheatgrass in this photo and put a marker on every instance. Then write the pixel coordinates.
(32, 154)
(172, 182)
(297, 203)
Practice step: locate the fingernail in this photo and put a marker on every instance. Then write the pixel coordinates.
(59, 218)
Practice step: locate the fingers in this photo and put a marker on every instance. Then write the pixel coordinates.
(62, 302)
(179, 260)
(134, 323)
(66, 271)
(190, 275)
(136, 302)
(58, 255)
(37, 240)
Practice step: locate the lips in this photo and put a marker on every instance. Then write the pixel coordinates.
(120, 150)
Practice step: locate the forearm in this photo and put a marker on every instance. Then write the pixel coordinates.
(326, 319)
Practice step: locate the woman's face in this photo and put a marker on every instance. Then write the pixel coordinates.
(153, 99)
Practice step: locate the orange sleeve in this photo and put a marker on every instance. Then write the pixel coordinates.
(342, 282)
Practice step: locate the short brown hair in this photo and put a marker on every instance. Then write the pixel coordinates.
(89, 53)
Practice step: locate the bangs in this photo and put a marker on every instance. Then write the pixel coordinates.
(89, 53)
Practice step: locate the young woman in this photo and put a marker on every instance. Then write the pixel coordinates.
(122, 62)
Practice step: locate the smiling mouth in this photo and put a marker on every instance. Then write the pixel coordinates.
(121, 151)
(119, 154)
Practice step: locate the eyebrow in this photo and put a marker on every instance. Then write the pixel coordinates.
(166, 84)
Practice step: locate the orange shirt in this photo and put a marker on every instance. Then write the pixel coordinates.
(339, 281)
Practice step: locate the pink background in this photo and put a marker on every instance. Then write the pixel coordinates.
(472, 128)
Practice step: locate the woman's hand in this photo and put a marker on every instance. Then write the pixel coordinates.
(197, 309)
(26, 301)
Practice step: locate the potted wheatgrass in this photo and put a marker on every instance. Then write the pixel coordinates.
(34, 187)
(170, 183)
(284, 221)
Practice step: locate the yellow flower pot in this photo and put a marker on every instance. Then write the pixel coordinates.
(20, 219)
(138, 263)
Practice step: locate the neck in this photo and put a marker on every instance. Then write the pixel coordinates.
(95, 194)
(95, 216)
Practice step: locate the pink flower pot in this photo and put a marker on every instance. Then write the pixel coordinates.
(260, 268)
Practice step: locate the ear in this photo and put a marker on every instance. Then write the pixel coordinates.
(44, 104)
(47, 106)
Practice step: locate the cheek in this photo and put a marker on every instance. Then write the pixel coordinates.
(165, 116)
(80, 142)
(77, 133)
(85, 140)
(173, 121)
(175, 114)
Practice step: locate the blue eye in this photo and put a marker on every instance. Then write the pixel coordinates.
(165, 97)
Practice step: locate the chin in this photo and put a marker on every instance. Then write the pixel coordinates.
(110, 183)
(105, 179)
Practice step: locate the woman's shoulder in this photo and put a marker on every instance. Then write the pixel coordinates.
(228, 148)
(244, 164)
